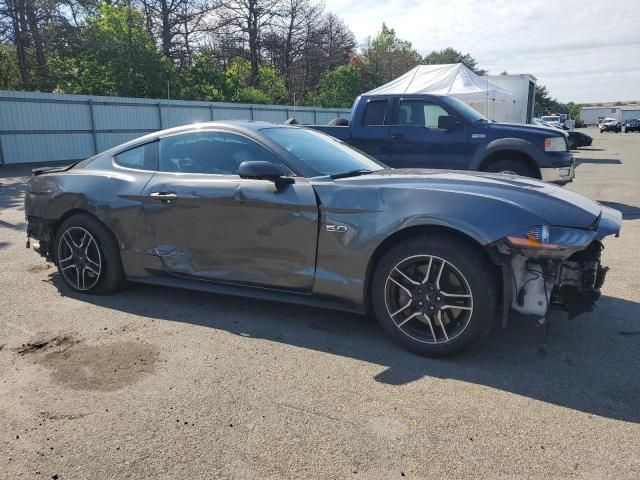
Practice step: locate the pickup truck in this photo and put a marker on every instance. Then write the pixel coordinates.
(442, 132)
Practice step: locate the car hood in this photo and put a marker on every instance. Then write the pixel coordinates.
(519, 128)
(553, 204)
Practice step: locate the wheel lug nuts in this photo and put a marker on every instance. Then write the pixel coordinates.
(432, 307)
(420, 303)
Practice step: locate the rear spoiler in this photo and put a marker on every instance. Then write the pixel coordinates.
(61, 168)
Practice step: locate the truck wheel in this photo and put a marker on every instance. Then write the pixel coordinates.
(514, 167)
(339, 122)
(434, 294)
(87, 256)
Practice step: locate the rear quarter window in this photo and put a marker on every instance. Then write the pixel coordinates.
(374, 112)
(142, 157)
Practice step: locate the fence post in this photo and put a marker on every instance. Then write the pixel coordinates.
(251, 112)
(160, 115)
(93, 127)
(1, 154)
(315, 116)
(287, 112)
(212, 116)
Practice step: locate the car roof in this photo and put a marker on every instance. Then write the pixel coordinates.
(247, 127)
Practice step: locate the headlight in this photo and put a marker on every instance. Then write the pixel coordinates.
(547, 240)
(534, 237)
(555, 144)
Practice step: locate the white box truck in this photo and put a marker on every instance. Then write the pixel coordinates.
(518, 110)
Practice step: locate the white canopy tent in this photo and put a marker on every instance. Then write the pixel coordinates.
(453, 79)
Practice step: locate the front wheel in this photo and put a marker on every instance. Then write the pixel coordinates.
(435, 294)
(513, 167)
(87, 256)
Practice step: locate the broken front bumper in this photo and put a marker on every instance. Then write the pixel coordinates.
(569, 277)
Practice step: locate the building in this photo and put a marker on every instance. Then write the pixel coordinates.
(592, 115)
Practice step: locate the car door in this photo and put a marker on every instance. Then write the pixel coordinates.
(209, 223)
(417, 142)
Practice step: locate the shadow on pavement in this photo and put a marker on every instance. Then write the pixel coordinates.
(11, 194)
(599, 161)
(629, 212)
(589, 366)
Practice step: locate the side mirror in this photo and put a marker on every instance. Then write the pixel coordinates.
(262, 170)
(448, 122)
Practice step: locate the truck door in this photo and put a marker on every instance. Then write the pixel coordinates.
(370, 132)
(417, 142)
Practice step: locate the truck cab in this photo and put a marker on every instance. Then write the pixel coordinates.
(442, 132)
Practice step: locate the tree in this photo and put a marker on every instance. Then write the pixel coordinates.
(249, 19)
(545, 104)
(24, 23)
(203, 81)
(9, 71)
(390, 56)
(285, 43)
(175, 23)
(270, 88)
(339, 87)
(115, 56)
(574, 110)
(450, 55)
(326, 46)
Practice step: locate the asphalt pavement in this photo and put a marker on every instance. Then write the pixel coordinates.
(163, 383)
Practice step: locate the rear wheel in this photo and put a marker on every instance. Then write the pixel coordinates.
(87, 256)
(434, 294)
(513, 167)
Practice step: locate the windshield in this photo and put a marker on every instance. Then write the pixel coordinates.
(465, 110)
(550, 119)
(321, 153)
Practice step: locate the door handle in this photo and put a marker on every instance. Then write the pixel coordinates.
(397, 136)
(163, 196)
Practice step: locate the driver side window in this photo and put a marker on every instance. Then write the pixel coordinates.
(216, 153)
(418, 113)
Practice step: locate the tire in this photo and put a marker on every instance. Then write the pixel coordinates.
(83, 244)
(339, 122)
(511, 166)
(465, 270)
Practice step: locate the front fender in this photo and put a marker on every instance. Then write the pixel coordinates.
(520, 145)
(344, 253)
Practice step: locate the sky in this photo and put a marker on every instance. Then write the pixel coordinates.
(581, 50)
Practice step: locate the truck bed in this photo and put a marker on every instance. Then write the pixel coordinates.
(341, 133)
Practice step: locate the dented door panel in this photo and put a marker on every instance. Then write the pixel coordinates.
(224, 228)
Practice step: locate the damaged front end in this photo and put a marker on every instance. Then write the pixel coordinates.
(547, 267)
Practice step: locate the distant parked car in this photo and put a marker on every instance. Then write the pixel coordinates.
(605, 120)
(632, 125)
(611, 126)
(574, 138)
(551, 120)
(579, 139)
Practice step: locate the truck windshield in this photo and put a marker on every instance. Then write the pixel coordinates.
(321, 153)
(463, 109)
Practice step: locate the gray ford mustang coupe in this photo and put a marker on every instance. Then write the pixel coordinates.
(291, 214)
